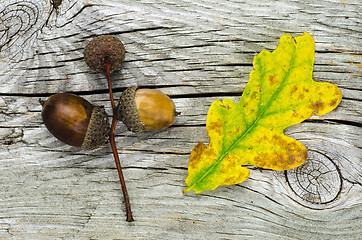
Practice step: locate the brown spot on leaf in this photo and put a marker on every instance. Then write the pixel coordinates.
(227, 107)
(195, 155)
(215, 126)
(303, 154)
(235, 131)
(333, 103)
(228, 163)
(291, 158)
(317, 105)
(294, 89)
(272, 79)
(253, 95)
(262, 139)
(295, 114)
(259, 160)
(278, 140)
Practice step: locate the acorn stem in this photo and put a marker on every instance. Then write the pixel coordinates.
(113, 143)
(107, 66)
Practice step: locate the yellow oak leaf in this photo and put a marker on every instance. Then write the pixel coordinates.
(280, 93)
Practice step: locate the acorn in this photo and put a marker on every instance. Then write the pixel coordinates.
(145, 109)
(104, 49)
(75, 121)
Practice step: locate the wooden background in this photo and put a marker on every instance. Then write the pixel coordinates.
(195, 51)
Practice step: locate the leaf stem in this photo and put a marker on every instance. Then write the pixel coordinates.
(113, 144)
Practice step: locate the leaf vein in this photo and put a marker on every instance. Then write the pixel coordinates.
(243, 135)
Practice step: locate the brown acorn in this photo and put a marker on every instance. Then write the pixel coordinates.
(75, 121)
(145, 109)
(104, 49)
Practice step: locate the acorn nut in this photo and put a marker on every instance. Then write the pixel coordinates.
(75, 121)
(104, 49)
(145, 109)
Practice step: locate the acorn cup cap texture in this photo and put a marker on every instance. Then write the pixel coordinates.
(126, 110)
(145, 109)
(102, 47)
(98, 131)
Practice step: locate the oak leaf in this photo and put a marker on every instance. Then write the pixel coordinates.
(280, 93)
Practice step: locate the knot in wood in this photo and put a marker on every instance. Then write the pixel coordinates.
(317, 181)
(20, 21)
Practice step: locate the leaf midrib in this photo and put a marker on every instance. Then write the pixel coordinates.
(221, 158)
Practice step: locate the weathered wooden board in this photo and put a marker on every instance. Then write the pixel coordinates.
(196, 51)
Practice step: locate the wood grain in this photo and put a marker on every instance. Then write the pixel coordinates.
(195, 51)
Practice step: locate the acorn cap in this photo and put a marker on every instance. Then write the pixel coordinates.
(102, 47)
(126, 110)
(98, 131)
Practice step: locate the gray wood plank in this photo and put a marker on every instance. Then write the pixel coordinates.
(197, 52)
